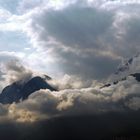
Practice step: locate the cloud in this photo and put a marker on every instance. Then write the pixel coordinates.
(44, 104)
(92, 38)
(7, 56)
(4, 14)
(82, 110)
(12, 71)
(74, 42)
(75, 96)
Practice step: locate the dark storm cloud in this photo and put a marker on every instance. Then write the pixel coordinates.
(88, 37)
(76, 26)
(81, 31)
(91, 66)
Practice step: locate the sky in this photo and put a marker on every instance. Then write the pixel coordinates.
(80, 44)
(90, 35)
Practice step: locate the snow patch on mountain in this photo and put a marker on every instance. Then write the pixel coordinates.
(126, 68)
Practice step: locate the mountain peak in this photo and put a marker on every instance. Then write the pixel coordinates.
(17, 91)
(127, 67)
(128, 64)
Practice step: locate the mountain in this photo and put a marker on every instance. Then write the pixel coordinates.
(135, 75)
(20, 91)
(129, 67)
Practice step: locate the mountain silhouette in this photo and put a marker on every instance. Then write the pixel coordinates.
(20, 91)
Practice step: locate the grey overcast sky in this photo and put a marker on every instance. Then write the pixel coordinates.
(86, 38)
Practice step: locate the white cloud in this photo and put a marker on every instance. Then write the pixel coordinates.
(45, 104)
(4, 14)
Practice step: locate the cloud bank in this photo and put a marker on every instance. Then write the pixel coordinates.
(44, 104)
(92, 36)
(89, 35)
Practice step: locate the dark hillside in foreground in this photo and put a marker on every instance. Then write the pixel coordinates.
(108, 126)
